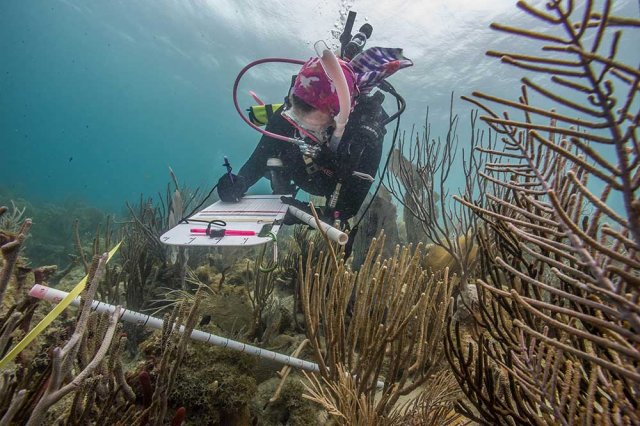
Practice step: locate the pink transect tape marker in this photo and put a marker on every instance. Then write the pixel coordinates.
(224, 232)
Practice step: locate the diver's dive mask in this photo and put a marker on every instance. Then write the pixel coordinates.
(319, 131)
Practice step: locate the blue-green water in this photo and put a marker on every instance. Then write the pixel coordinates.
(99, 98)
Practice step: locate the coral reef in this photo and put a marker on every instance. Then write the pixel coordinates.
(382, 324)
(73, 373)
(53, 244)
(215, 385)
(381, 216)
(10, 246)
(289, 408)
(557, 331)
(420, 184)
(260, 293)
(404, 171)
(516, 301)
(173, 345)
(149, 267)
(60, 381)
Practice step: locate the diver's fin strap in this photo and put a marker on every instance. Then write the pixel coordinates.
(48, 319)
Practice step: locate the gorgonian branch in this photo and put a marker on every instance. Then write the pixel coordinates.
(560, 251)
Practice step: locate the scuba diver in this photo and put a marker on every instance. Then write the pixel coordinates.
(327, 137)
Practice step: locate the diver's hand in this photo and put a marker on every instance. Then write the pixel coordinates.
(296, 203)
(231, 188)
(290, 219)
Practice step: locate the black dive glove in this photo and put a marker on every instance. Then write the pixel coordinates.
(290, 219)
(231, 188)
(369, 120)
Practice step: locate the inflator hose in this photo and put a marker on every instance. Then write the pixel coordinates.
(235, 95)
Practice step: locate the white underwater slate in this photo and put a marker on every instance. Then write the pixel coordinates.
(250, 214)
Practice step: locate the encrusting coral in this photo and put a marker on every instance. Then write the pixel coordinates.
(289, 408)
(215, 383)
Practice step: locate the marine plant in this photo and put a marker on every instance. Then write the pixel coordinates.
(558, 327)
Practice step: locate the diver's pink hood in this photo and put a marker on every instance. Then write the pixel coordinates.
(315, 87)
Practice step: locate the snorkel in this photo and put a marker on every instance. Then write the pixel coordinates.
(333, 70)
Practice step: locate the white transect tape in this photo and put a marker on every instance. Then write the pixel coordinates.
(334, 234)
(53, 295)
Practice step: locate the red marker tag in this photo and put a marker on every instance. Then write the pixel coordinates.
(217, 233)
